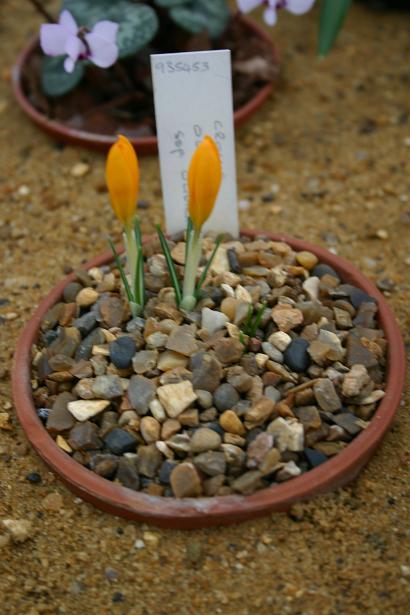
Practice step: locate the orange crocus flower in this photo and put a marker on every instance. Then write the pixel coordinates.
(204, 181)
(123, 176)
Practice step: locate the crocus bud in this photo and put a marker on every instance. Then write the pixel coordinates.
(122, 177)
(204, 180)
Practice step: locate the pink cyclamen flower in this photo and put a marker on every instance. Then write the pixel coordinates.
(66, 38)
(297, 7)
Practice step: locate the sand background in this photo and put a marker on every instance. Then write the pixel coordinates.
(333, 145)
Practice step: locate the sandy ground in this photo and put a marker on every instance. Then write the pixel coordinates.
(334, 145)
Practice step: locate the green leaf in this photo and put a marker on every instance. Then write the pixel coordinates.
(120, 268)
(207, 266)
(55, 80)
(138, 23)
(332, 16)
(170, 264)
(139, 270)
(258, 319)
(169, 4)
(199, 15)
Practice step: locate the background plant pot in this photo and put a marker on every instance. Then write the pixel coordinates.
(144, 145)
(203, 512)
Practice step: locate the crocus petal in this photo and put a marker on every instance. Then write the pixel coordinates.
(122, 177)
(101, 41)
(67, 21)
(245, 6)
(298, 7)
(53, 39)
(204, 181)
(269, 16)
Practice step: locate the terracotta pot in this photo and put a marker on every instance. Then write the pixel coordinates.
(203, 512)
(143, 145)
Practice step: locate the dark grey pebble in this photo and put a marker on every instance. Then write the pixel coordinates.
(84, 349)
(165, 471)
(296, 355)
(85, 323)
(121, 351)
(71, 291)
(225, 397)
(49, 337)
(34, 478)
(314, 458)
(43, 413)
(127, 474)
(215, 427)
(120, 441)
(233, 261)
(321, 269)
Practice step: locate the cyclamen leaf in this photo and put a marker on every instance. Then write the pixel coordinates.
(55, 80)
(332, 16)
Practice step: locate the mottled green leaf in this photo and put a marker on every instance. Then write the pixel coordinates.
(55, 80)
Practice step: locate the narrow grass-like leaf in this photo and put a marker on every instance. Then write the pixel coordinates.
(207, 266)
(120, 268)
(257, 319)
(170, 265)
(139, 269)
(332, 16)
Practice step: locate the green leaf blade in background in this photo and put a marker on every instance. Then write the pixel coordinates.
(332, 16)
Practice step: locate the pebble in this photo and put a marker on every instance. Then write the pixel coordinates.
(144, 361)
(314, 458)
(239, 379)
(309, 416)
(182, 341)
(104, 465)
(288, 434)
(165, 470)
(211, 463)
(34, 478)
(59, 418)
(311, 287)
(206, 373)
(270, 462)
(204, 398)
(213, 320)
(248, 482)
(119, 441)
(180, 443)
(86, 297)
(205, 439)
(229, 350)
(86, 323)
(20, 529)
(349, 422)
(127, 474)
(80, 169)
(225, 397)
(321, 270)
(326, 396)
(259, 412)
(286, 317)
(85, 347)
(231, 423)
(84, 437)
(272, 352)
(327, 347)
(296, 355)
(111, 310)
(308, 260)
(170, 360)
(141, 391)
(175, 398)
(107, 387)
(185, 481)
(149, 460)
(82, 410)
(63, 444)
(289, 470)
(258, 449)
(355, 380)
(157, 410)
(122, 351)
(150, 429)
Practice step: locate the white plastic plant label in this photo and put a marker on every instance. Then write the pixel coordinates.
(193, 98)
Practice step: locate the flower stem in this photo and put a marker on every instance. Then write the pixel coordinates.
(193, 257)
(40, 9)
(132, 254)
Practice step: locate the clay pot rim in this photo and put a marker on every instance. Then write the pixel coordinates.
(202, 512)
(143, 145)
